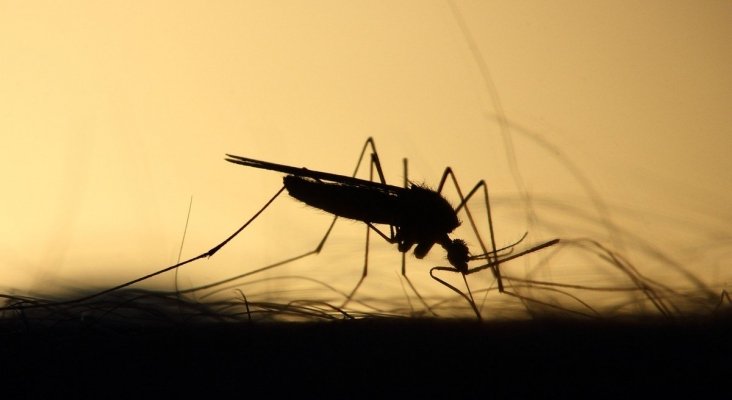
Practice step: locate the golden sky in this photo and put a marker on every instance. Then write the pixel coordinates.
(113, 114)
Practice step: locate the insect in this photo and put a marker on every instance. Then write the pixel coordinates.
(417, 216)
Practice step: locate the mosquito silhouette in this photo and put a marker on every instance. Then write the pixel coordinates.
(416, 215)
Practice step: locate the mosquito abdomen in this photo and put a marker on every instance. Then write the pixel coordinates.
(361, 203)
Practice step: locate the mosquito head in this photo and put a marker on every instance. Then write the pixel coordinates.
(457, 254)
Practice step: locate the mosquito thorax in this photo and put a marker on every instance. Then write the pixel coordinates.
(428, 211)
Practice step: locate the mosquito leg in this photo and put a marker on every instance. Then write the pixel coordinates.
(469, 299)
(405, 164)
(374, 160)
(374, 156)
(233, 235)
(492, 254)
(374, 164)
(369, 143)
(170, 268)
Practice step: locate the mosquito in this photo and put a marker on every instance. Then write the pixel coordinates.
(417, 216)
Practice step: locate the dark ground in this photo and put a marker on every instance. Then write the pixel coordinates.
(372, 358)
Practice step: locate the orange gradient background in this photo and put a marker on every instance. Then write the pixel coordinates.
(114, 114)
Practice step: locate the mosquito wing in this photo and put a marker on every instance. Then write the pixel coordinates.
(341, 195)
(319, 175)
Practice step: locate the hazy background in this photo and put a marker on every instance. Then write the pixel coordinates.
(113, 114)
